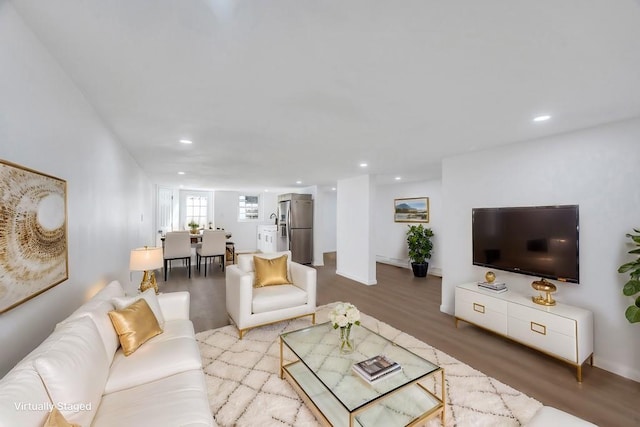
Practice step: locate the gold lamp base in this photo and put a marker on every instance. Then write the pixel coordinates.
(546, 287)
(149, 281)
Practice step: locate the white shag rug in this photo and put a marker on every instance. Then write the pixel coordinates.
(245, 388)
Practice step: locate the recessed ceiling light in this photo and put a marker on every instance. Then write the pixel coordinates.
(186, 141)
(180, 173)
(298, 182)
(398, 178)
(333, 188)
(363, 165)
(541, 118)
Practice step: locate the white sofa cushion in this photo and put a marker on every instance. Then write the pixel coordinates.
(271, 298)
(112, 290)
(150, 296)
(177, 400)
(172, 352)
(23, 399)
(175, 305)
(74, 370)
(176, 329)
(96, 309)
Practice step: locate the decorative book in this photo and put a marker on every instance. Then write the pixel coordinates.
(495, 291)
(494, 286)
(377, 367)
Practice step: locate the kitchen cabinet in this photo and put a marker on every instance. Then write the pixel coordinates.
(266, 238)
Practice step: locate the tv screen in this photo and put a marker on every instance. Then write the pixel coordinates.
(538, 241)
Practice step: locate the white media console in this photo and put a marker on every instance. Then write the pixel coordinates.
(561, 331)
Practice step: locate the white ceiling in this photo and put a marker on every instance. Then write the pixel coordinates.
(274, 91)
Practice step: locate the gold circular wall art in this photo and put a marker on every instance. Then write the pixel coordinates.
(33, 244)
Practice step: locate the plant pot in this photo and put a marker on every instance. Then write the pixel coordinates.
(420, 269)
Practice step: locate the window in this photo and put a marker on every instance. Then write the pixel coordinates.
(196, 209)
(248, 207)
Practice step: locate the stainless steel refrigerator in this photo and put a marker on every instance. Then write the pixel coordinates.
(295, 226)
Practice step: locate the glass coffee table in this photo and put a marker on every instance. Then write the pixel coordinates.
(323, 377)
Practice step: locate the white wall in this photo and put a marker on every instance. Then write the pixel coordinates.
(244, 233)
(391, 237)
(355, 257)
(46, 124)
(596, 169)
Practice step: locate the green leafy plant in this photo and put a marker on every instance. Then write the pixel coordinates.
(632, 287)
(420, 243)
(193, 225)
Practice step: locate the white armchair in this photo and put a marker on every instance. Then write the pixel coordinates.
(250, 307)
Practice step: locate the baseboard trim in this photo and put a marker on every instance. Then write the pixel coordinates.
(357, 279)
(435, 271)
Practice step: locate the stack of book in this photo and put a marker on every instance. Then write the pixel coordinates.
(376, 368)
(496, 287)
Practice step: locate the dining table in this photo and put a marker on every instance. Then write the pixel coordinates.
(196, 239)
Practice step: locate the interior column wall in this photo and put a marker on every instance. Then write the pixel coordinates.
(354, 237)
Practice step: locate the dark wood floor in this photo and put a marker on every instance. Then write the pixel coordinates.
(413, 306)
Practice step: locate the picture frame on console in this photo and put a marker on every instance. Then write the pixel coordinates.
(33, 234)
(413, 209)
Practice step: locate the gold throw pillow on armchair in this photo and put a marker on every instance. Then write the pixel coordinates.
(135, 325)
(270, 272)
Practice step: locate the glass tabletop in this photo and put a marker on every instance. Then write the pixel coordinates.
(317, 348)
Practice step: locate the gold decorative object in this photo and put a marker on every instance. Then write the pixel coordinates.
(147, 260)
(148, 281)
(543, 286)
(490, 276)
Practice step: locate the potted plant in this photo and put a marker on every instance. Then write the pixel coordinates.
(420, 247)
(194, 227)
(632, 287)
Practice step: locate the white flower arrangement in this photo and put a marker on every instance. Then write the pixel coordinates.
(344, 315)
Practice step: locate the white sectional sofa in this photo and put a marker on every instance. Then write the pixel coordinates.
(81, 370)
(548, 416)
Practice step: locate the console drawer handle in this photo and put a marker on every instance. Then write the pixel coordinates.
(540, 329)
(478, 307)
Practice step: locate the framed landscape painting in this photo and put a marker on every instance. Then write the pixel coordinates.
(414, 209)
(33, 234)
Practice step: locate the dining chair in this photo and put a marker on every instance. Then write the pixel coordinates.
(214, 244)
(177, 245)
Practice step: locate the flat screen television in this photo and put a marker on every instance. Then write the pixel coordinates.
(538, 241)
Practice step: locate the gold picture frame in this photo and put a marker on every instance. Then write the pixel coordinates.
(33, 233)
(413, 209)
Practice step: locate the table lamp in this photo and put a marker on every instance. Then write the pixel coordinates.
(146, 259)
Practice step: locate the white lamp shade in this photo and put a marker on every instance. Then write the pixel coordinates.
(143, 259)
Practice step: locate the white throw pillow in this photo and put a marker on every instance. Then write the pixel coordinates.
(152, 299)
(75, 370)
(112, 290)
(98, 311)
(97, 308)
